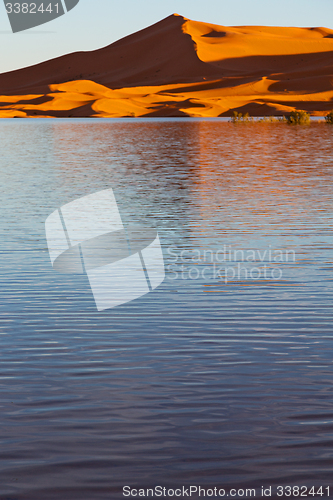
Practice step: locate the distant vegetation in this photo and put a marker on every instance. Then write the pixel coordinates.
(295, 118)
(240, 118)
(299, 118)
(329, 118)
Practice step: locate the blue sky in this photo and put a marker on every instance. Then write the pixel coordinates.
(97, 23)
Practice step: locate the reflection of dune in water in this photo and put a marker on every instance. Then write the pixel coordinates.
(260, 179)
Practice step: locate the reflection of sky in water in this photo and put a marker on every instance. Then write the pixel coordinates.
(198, 379)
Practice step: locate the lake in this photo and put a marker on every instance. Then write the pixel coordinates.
(222, 376)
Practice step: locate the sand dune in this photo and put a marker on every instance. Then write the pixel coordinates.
(179, 67)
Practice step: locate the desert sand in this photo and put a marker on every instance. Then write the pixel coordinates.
(179, 67)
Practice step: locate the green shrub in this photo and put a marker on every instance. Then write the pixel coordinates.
(299, 118)
(329, 118)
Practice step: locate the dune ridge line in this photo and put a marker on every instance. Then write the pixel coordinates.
(180, 67)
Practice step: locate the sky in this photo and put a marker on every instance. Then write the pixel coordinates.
(93, 24)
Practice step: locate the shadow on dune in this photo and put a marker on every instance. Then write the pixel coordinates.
(162, 62)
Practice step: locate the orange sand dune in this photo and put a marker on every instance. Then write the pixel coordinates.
(179, 67)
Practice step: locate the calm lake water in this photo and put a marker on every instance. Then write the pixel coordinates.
(205, 381)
